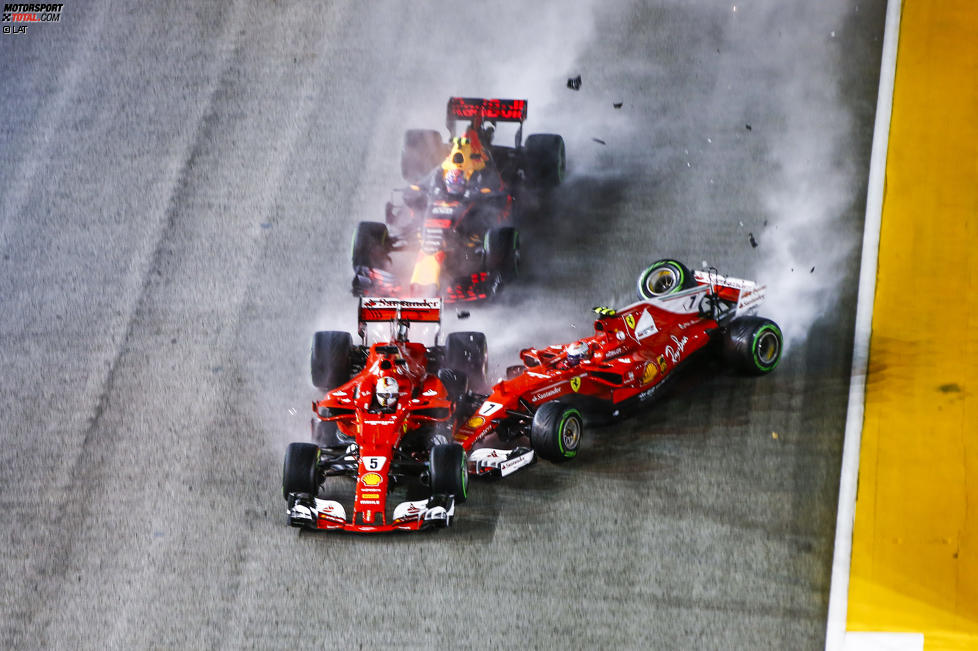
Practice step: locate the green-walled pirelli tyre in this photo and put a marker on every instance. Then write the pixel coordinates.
(664, 277)
(557, 431)
(300, 473)
(753, 344)
(449, 472)
(503, 252)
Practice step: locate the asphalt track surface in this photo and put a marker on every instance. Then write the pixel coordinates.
(179, 186)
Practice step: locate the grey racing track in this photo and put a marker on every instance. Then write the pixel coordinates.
(178, 188)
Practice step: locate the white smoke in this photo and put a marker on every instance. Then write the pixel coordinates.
(808, 199)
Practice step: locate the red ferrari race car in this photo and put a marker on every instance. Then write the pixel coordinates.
(387, 418)
(459, 215)
(632, 355)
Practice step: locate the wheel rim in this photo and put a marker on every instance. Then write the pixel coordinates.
(570, 435)
(661, 281)
(768, 348)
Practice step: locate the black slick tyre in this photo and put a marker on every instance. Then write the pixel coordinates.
(468, 353)
(546, 160)
(329, 361)
(503, 252)
(557, 431)
(300, 471)
(370, 245)
(664, 277)
(449, 472)
(753, 344)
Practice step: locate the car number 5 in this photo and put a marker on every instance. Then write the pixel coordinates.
(373, 463)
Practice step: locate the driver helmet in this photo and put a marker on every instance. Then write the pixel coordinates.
(577, 352)
(455, 181)
(386, 392)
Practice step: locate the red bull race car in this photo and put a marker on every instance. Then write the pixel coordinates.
(387, 417)
(458, 216)
(632, 356)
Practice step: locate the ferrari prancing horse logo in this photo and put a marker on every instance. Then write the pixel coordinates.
(630, 320)
(575, 383)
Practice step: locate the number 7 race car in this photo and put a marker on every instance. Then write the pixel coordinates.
(632, 355)
(387, 418)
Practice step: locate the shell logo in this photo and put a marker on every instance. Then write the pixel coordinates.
(372, 479)
(476, 421)
(649, 373)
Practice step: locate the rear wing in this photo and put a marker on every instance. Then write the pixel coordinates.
(477, 110)
(415, 310)
(747, 293)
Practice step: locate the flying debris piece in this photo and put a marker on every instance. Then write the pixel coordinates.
(774, 435)
(599, 141)
(617, 104)
(812, 271)
(574, 83)
(753, 242)
(748, 126)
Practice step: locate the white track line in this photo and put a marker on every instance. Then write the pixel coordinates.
(842, 556)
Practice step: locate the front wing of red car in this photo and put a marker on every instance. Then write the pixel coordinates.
(436, 512)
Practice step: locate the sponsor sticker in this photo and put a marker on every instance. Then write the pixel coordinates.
(662, 363)
(649, 373)
(546, 393)
(630, 320)
(645, 327)
(372, 479)
(575, 384)
(476, 421)
(675, 353)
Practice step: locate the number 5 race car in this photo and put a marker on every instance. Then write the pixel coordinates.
(387, 418)
(459, 215)
(630, 358)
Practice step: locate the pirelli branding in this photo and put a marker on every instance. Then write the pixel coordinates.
(17, 17)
